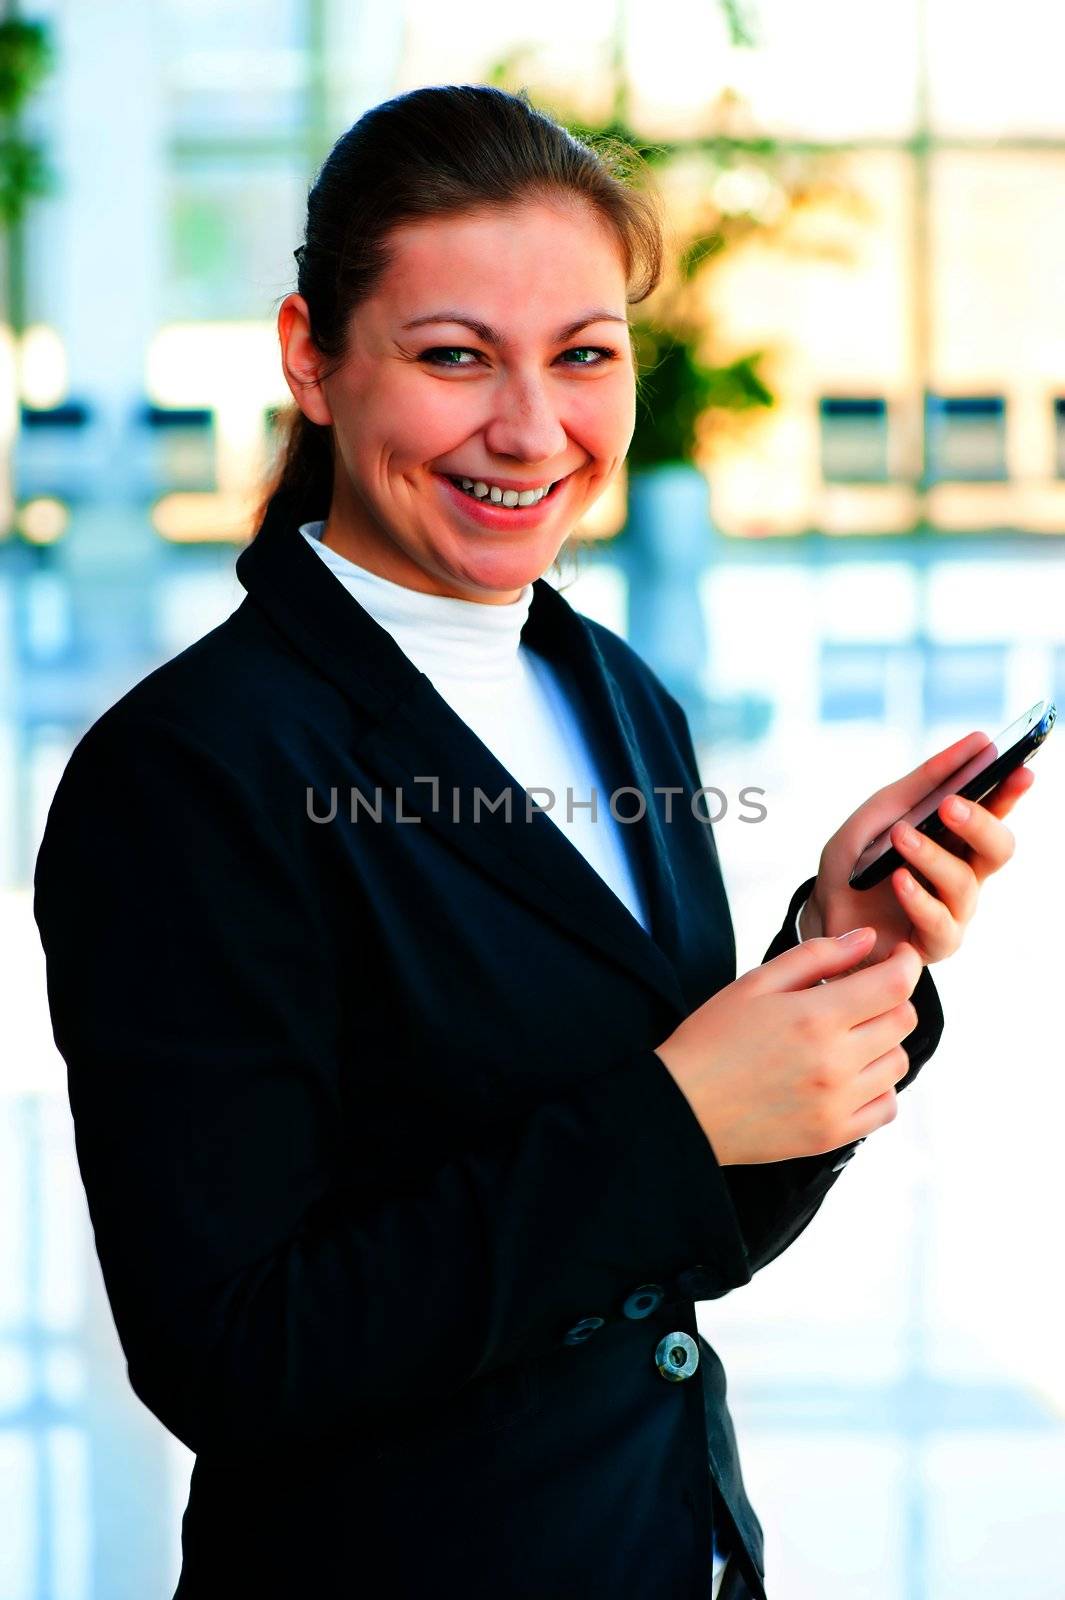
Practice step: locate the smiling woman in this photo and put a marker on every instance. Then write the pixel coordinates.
(409, 1150)
(535, 425)
(464, 212)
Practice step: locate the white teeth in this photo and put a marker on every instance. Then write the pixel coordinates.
(506, 497)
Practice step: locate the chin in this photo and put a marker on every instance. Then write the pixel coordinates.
(501, 570)
(501, 582)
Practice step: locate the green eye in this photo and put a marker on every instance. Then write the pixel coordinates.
(434, 355)
(439, 354)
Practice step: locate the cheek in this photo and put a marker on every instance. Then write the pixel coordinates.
(605, 423)
(401, 418)
(427, 422)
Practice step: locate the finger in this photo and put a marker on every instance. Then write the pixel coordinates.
(811, 962)
(989, 840)
(952, 881)
(999, 803)
(1004, 796)
(874, 1086)
(899, 797)
(936, 769)
(935, 922)
(883, 1073)
(876, 1114)
(874, 1039)
(871, 990)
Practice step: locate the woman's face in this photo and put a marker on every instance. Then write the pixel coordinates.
(541, 391)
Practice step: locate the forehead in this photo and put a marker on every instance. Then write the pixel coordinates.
(536, 255)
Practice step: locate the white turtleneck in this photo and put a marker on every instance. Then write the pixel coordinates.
(508, 694)
(511, 698)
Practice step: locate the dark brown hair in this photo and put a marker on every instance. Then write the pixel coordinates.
(438, 151)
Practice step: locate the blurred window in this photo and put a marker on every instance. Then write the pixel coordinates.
(853, 681)
(966, 437)
(1059, 435)
(994, 71)
(1057, 676)
(176, 447)
(854, 439)
(963, 682)
(228, 72)
(233, 223)
(237, 173)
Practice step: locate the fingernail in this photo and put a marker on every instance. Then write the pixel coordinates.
(958, 809)
(853, 936)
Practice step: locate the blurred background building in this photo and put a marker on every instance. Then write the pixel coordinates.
(850, 552)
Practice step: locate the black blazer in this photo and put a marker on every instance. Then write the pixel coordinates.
(401, 1218)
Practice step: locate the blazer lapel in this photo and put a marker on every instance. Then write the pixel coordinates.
(422, 751)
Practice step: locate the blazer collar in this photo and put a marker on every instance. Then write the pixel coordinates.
(416, 735)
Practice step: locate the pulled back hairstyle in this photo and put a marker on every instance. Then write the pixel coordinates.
(431, 152)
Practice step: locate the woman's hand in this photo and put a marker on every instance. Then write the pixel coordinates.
(931, 905)
(775, 1066)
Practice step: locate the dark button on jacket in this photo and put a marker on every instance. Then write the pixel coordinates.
(677, 1357)
(641, 1302)
(583, 1330)
(344, 1085)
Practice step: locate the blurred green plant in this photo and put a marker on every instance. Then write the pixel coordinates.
(676, 389)
(740, 27)
(27, 57)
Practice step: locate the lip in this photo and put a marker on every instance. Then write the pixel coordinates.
(487, 515)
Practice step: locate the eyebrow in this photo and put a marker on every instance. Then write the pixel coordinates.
(490, 336)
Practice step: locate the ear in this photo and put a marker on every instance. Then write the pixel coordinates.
(301, 360)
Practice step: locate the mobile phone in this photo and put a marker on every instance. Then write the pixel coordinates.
(974, 780)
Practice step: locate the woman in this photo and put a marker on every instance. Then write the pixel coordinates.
(413, 1130)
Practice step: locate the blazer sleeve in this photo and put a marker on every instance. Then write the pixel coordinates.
(194, 999)
(775, 1201)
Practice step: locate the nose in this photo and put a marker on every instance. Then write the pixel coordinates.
(524, 422)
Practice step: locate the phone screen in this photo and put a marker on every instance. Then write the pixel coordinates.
(1017, 733)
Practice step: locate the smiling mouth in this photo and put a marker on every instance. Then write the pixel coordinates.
(488, 499)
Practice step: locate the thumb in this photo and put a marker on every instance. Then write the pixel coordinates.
(816, 960)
